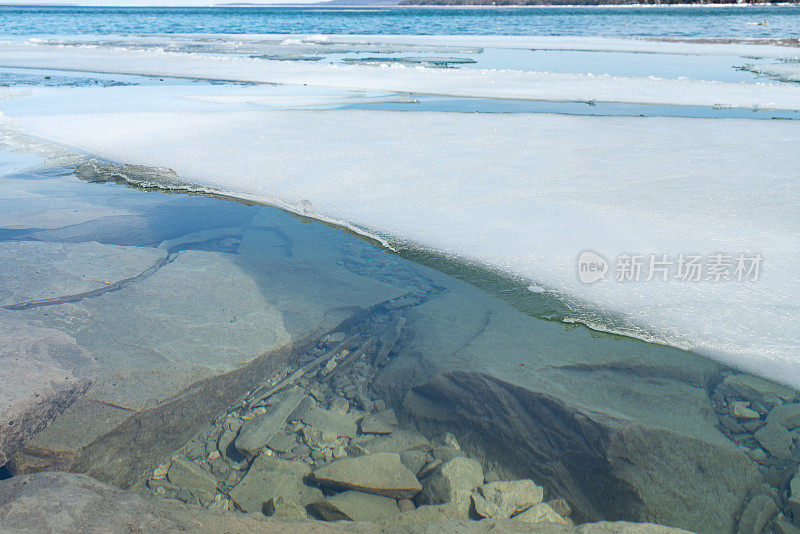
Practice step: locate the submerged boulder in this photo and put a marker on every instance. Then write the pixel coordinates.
(379, 474)
(270, 478)
(505, 499)
(256, 432)
(355, 506)
(453, 480)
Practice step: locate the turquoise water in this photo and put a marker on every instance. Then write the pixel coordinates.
(666, 21)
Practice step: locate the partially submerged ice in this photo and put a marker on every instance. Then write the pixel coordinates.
(528, 196)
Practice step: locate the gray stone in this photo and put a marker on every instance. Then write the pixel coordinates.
(506, 499)
(42, 371)
(355, 506)
(405, 505)
(69, 503)
(340, 425)
(339, 405)
(301, 451)
(511, 420)
(540, 513)
(379, 423)
(431, 514)
(428, 469)
(414, 460)
(282, 442)
(451, 441)
(380, 474)
(445, 453)
(398, 441)
(451, 480)
(753, 425)
(270, 477)
(758, 512)
(189, 475)
(283, 508)
(560, 506)
(776, 440)
(781, 526)
(741, 410)
(256, 432)
(755, 389)
(786, 415)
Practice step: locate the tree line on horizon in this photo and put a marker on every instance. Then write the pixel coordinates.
(566, 2)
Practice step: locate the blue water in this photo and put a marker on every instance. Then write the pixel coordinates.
(660, 21)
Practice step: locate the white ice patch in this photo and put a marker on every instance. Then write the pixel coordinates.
(480, 83)
(525, 193)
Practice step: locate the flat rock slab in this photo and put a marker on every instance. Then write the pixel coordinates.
(42, 372)
(331, 422)
(188, 474)
(398, 441)
(379, 474)
(379, 423)
(355, 506)
(256, 432)
(69, 503)
(270, 478)
(34, 270)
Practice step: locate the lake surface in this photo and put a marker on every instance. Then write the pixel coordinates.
(700, 22)
(208, 232)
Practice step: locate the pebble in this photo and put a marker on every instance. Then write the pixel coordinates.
(160, 490)
(451, 441)
(213, 455)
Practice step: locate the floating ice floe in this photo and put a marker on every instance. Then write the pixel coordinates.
(480, 83)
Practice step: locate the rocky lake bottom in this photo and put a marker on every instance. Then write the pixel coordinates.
(202, 352)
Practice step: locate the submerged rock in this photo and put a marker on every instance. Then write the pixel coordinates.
(755, 389)
(189, 475)
(283, 508)
(505, 499)
(379, 423)
(42, 372)
(758, 512)
(355, 506)
(776, 440)
(539, 513)
(69, 503)
(452, 480)
(269, 478)
(256, 432)
(327, 421)
(379, 474)
(398, 441)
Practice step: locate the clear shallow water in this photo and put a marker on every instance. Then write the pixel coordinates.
(688, 22)
(243, 279)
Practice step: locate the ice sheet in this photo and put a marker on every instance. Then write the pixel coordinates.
(788, 72)
(482, 83)
(752, 48)
(523, 193)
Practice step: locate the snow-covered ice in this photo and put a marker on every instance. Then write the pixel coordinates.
(480, 83)
(523, 193)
